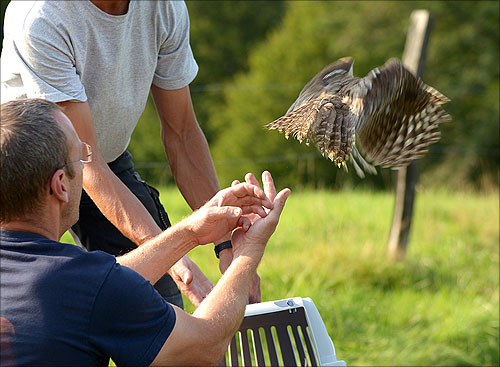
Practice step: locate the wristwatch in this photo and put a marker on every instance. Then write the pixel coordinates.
(222, 246)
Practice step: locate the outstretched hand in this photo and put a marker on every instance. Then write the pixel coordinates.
(270, 191)
(239, 207)
(226, 211)
(252, 242)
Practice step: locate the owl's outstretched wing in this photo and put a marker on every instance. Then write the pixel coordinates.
(318, 114)
(329, 80)
(399, 116)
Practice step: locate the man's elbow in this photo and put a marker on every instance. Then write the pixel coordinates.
(219, 351)
(211, 352)
(205, 352)
(208, 359)
(205, 355)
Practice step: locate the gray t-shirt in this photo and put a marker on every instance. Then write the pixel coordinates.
(71, 50)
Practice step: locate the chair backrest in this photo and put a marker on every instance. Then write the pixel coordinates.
(288, 332)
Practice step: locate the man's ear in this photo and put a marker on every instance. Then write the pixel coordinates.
(58, 188)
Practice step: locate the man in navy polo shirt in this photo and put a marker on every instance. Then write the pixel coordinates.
(61, 305)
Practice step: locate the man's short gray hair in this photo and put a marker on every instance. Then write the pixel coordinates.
(33, 146)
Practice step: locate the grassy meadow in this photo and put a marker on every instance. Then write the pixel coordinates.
(439, 307)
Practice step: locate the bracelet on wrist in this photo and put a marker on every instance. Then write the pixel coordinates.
(222, 246)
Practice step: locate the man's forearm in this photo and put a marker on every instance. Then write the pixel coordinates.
(202, 338)
(191, 164)
(111, 196)
(185, 145)
(225, 305)
(192, 167)
(156, 256)
(118, 204)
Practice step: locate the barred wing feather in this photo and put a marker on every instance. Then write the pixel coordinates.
(400, 116)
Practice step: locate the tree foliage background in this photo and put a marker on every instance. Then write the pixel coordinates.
(255, 56)
(462, 62)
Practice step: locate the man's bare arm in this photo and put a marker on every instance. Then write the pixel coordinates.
(111, 196)
(123, 209)
(186, 146)
(189, 157)
(202, 339)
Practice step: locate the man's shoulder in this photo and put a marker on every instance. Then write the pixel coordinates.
(25, 246)
(29, 13)
(43, 20)
(169, 13)
(164, 7)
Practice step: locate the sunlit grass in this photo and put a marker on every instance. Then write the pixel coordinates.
(438, 307)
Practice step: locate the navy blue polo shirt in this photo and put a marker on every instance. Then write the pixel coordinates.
(62, 306)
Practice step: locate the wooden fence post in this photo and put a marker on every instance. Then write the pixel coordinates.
(413, 59)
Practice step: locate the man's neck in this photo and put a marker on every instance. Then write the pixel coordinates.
(112, 7)
(32, 226)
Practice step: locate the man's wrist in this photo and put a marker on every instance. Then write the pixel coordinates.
(253, 251)
(222, 246)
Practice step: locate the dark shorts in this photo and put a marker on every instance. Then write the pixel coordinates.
(95, 232)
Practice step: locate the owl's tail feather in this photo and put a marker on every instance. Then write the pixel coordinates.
(436, 96)
(355, 155)
(358, 170)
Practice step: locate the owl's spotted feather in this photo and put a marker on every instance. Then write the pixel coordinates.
(390, 115)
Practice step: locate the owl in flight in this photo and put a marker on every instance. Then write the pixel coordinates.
(390, 115)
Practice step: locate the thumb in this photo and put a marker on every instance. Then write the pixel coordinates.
(237, 233)
(187, 277)
(279, 201)
(182, 274)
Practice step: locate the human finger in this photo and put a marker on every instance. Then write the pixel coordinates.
(224, 212)
(268, 183)
(254, 209)
(248, 191)
(198, 288)
(244, 222)
(279, 203)
(235, 182)
(182, 273)
(255, 292)
(251, 179)
(242, 202)
(246, 188)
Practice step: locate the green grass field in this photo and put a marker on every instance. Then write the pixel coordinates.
(439, 307)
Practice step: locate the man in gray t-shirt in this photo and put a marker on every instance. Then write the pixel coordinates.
(99, 60)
